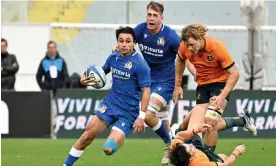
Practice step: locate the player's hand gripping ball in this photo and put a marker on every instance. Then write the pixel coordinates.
(96, 76)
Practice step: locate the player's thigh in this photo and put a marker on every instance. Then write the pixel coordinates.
(215, 89)
(197, 116)
(102, 119)
(202, 95)
(185, 121)
(95, 126)
(161, 95)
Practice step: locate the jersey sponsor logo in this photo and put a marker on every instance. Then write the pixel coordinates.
(161, 41)
(120, 74)
(150, 51)
(128, 65)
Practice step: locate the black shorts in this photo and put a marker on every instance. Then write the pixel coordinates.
(197, 142)
(205, 92)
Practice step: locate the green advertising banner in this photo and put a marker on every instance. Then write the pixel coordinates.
(76, 107)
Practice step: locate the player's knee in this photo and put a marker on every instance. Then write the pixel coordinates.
(150, 116)
(110, 147)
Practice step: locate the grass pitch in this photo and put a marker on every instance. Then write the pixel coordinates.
(142, 152)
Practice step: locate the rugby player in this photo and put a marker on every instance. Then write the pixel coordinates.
(216, 76)
(158, 44)
(187, 148)
(120, 109)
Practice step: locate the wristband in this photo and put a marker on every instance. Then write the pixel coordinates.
(235, 155)
(236, 152)
(142, 115)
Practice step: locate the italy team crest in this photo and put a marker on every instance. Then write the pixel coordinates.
(128, 65)
(102, 109)
(161, 41)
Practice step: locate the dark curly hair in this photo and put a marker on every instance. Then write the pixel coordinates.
(195, 31)
(179, 156)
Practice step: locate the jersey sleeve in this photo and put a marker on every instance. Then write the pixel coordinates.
(175, 41)
(181, 51)
(138, 31)
(143, 74)
(224, 57)
(106, 66)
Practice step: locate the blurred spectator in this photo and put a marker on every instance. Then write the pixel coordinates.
(52, 72)
(9, 67)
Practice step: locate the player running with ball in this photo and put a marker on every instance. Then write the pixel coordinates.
(159, 45)
(120, 109)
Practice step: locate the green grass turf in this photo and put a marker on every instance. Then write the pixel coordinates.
(142, 152)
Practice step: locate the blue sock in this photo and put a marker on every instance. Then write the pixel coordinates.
(161, 130)
(73, 156)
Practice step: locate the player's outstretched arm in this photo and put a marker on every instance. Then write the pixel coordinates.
(239, 150)
(183, 135)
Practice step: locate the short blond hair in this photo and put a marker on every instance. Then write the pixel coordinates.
(195, 31)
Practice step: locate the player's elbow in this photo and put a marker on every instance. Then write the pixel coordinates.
(236, 75)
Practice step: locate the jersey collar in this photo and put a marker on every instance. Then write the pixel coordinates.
(208, 44)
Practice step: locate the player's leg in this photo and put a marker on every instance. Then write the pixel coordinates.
(121, 128)
(164, 116)
(154, 122)
(95, 126)
(114, 141)
(213, 116)
(202, 102)
(243, 120)
(99, 122)
(160, 97)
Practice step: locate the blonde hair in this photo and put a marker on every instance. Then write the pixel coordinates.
(195, 31)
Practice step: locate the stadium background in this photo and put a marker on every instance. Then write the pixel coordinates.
(84, 31)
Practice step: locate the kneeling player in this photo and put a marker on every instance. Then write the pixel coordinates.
(120, 109)
(192, 152)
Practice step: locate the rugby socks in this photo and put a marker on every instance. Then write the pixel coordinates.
(233, 122)
(161, 130)
(73, 156)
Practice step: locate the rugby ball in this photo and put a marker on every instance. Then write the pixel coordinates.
(98, 77)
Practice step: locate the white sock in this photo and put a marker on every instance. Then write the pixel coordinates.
(157, 126)
(76, 153)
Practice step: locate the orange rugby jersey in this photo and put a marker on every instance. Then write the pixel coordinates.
(211, 64)
(200, 159)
